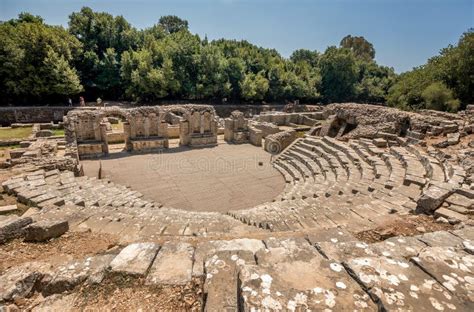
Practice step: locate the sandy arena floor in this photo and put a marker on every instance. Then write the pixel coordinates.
(222, 178)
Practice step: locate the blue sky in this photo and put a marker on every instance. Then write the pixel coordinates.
(404, 32)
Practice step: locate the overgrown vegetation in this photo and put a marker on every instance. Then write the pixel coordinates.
(100, 55)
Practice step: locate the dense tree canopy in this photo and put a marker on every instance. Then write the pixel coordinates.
(445, 82)
(36, 61)
(103, 55)
(361, 48)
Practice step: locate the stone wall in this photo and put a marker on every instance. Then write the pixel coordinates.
(352, 120)
(285, 119)
(38, 114)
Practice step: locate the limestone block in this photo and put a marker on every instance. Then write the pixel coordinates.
(398, 284)
(340, 251)
(13, 228)
(453, 268)
(90, 270)
(173, 265)
(451, 215)
(453, 138)
(440, 239)
(44, 230)
(221, 284)
(432, 198)
(17, 153)
(399, 246)
(379, 142)
(31, 211)
(285, 280)
(20, 281)
(135, 259)
(8, 209)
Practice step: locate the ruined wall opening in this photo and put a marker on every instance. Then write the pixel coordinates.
(404, 127)
(348, 128)
(115, 132)
(335, 127)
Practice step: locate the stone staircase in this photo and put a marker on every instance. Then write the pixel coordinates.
(105, 207)
(357, 185)
(330, 183)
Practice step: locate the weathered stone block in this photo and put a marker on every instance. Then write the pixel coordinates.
(453, 138)
(13, 228)
(379, 142)
(173, 265)
(44, 133)
(90, 270)
(451, 215)
(8, 209)
(135, 259)
(432, 198)
(44, 230)
(20, 281)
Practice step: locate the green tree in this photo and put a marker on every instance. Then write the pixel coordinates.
(101, 33)
(172, 23)
(406, 92)
(338, 74)
(108, 74)
(374, 82)
(438, 97)
(361, 48)
(455, 67)
(61, 79)
(254, 86)
(452, 69)
(304, 55)
(36, 61)
(212, 80)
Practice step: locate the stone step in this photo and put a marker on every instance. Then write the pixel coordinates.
(135, 259)
(285, 279)
(395, 283)
(172, 266)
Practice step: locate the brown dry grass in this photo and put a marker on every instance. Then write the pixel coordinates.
(408, 226)
(124, 293)
(71, 245)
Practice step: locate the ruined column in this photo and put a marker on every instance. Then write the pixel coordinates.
(103, 138)
(163, 132)
(228, 129)
(183, 133)
(201, 124)
(127, 134)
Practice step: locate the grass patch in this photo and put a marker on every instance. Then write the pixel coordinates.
(15, 133)
(58, 132)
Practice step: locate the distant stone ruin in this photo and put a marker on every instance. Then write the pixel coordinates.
(145, 128)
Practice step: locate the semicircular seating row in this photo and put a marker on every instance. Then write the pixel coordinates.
(355, 185)
(329, 184)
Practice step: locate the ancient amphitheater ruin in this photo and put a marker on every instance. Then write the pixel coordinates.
(344, 207)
